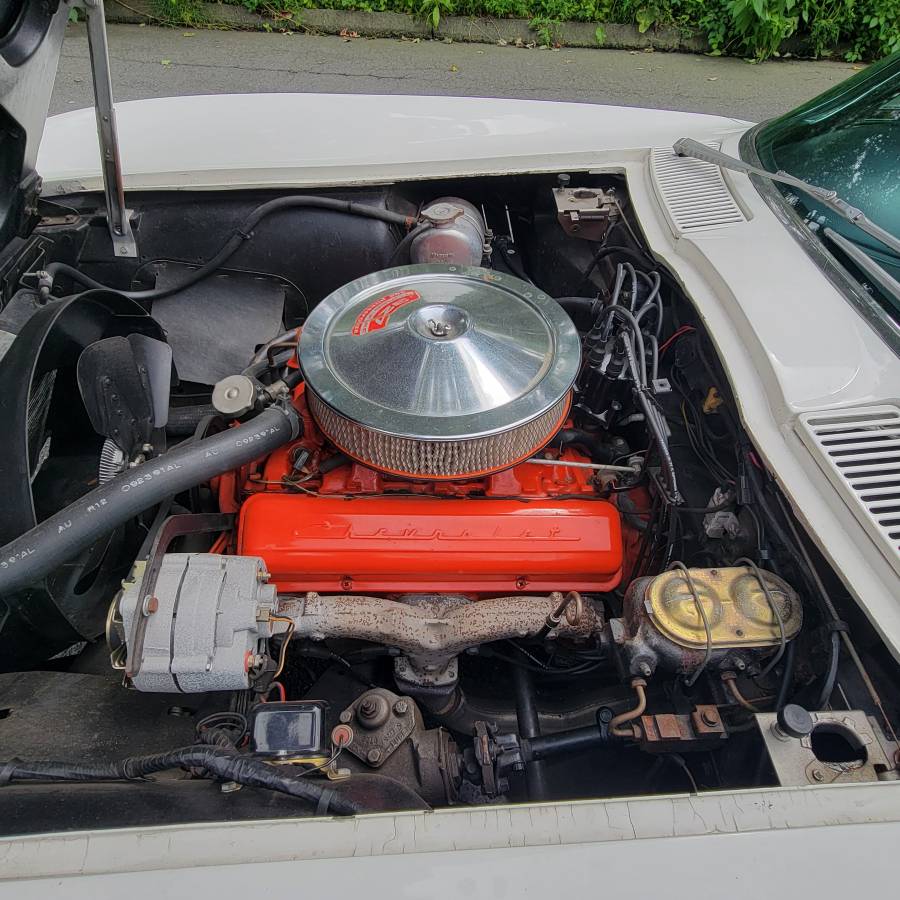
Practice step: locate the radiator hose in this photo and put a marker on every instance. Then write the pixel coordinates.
(61, 536)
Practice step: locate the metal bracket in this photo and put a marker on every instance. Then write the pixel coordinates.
(117, 215)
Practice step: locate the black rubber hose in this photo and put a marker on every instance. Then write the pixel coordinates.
(61, 536)
(183, 420)
(642, 259)
(581, 310)
(512, 262)
(401, 251)
(242, 233)
(565, 742)
(629, 511)
(787, 677)
(599, 451)
(529, 727)
(221, 762)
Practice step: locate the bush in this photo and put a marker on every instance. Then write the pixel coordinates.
(859, 29)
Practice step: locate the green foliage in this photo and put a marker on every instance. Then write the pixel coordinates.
(757, 29)
(880, 26)
(432, 10)
(546, 30)
(180, 12)
(762, 25)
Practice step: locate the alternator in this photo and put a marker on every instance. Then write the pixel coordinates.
(205, 626)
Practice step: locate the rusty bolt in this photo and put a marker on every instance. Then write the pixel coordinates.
(346, 716)
(401, 707)
(521, 582)
(373, 755)
(150, 605)
(818, 775)
(368, 708)
(709, 717)
(346, 583)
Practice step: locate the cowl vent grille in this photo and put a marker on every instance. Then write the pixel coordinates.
(694, 194)
(860, 451)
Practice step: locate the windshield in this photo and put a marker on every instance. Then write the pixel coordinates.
(848, 140)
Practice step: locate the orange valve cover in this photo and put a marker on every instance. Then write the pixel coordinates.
(427, 543)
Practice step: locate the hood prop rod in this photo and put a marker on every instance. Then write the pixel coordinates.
(117, 215)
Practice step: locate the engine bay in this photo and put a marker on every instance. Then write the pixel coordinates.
(396, 497)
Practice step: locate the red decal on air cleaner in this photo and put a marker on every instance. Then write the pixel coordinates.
(378, 313)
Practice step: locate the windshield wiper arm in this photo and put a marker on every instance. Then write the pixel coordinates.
(880, 276)
(696, 150)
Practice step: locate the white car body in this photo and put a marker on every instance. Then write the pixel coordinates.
(792, 345)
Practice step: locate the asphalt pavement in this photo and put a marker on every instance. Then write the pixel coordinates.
(155, 62)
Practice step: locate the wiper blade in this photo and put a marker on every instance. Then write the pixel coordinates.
(880, 276)
(828, 198)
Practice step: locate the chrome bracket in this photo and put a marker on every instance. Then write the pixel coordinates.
(118, 216)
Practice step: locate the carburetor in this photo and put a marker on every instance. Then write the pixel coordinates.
(686, 620)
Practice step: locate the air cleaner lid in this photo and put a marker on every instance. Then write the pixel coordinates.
(439, 352)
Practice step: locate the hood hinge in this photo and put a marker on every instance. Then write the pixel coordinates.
(118, 216)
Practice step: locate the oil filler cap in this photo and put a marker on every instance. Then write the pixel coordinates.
(234, 396)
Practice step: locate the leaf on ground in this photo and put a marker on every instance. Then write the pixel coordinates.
(712, 77)
(453, 69)
(166, 62)
(187, 34)
(348, 35)
(501, 42)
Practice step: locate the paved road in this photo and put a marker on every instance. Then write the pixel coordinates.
(153, 62)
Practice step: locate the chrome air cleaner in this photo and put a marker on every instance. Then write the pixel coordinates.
(436, 371)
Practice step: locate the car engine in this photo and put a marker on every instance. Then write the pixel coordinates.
(406, 497)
